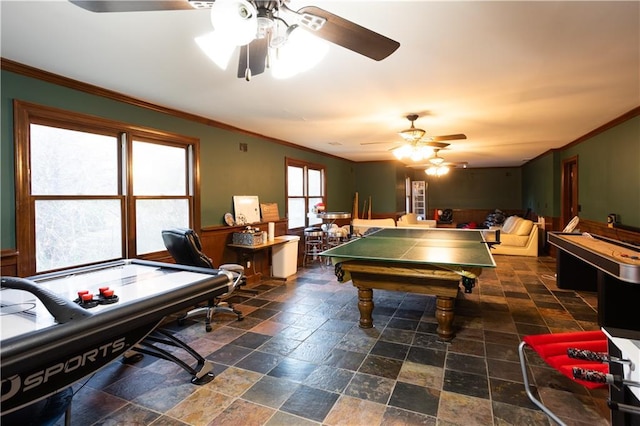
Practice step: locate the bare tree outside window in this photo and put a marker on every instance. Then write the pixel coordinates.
(305, 189)
(74, 207)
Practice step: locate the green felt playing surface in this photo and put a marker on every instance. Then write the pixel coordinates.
(462, 247)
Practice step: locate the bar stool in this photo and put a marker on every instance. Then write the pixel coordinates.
(313, 244)
(333, 238)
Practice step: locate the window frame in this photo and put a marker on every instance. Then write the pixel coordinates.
(26, 113)
(306, 166)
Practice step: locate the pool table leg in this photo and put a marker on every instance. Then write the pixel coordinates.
(444, 316)
(365, 306)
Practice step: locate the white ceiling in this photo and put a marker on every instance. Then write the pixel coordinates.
(518, 78)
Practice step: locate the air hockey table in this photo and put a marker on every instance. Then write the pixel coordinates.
(51, 338)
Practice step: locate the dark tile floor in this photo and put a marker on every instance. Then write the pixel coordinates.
(299, 358)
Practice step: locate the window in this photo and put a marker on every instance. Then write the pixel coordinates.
(97, 190)
(306, 183)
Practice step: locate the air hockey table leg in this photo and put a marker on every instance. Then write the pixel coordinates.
(202, 373)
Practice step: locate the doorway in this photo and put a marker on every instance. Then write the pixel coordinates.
(569, 192)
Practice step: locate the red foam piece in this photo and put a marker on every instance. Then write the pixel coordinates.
(552, 348)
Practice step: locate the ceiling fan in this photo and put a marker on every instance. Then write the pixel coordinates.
(437, 166)
(415, 135)
(267, 23)
(417, 147)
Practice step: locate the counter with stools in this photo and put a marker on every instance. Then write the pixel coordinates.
(313, 244)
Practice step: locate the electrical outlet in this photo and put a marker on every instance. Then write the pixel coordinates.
(248, 264)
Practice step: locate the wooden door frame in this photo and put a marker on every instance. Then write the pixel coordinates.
(569, 205)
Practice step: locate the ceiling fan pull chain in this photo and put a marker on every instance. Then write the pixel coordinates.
(247, 72)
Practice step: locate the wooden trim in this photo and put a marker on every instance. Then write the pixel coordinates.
(569, 203)
(9, 262)
(215, 243)
(479, 216)
(25, 240)
(611, 124)
(305, 166)
(27, 71)
(602, 229)
(26, 113)
(592, 227)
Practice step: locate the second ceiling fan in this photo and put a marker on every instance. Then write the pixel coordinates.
(417, 135)
(417, 146)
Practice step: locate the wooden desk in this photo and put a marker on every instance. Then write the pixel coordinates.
(246, 253)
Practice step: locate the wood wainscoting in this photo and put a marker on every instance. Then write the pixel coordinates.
(600, 228)
(9, 263)
(215, 240)
(595, 228)
(215, 243)
(479, 216)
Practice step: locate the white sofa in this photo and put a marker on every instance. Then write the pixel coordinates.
(518, 237)
(360, 226)
(410, 220)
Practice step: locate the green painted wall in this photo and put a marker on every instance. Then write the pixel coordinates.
(225, 171)
(538, 188)
(609, 167)
(384, 182)
(609, 174)
(486, 188)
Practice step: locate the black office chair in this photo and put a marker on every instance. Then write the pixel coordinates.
(184, 246)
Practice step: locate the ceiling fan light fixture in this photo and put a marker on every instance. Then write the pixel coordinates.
(414, 152)
(279, 34)
(416, 155)
(235, 20)
(435, 160)
(216, 48)
(437, 171)
(301, 52)
(412, 134)
(402, 151)
(265, 23)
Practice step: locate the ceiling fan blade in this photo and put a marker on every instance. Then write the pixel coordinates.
(351, 35)
(100, 6)
(451, 165)
(377, 143)
(448, 137)
(257, 57)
